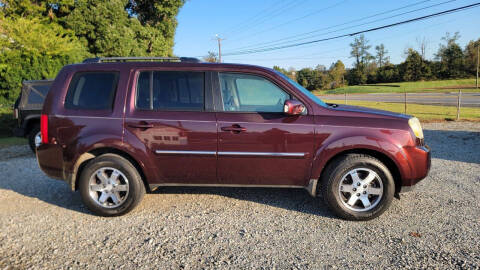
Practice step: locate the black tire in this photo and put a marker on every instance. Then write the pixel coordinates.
(136, 188)
(332, 177)
(31, 137)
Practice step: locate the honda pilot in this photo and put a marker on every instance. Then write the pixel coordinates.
(116, 128)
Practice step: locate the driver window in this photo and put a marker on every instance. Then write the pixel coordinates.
(250, 93)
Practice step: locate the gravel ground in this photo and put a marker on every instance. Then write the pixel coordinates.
(44, 225)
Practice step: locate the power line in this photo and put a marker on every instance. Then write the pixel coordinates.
(253, 18)
(295, 37)
(346, 28)
(359, 32)
(312, 56)
(265, 17)
(297, 19)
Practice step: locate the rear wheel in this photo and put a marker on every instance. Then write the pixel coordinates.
(110, 185)
(357, 187)
(34, 138)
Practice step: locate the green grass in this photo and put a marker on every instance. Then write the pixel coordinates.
(420, 86)
(423, 112)
(8, 141)
(7, 123)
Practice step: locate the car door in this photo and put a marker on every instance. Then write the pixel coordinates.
(258, 144)
(170, 115)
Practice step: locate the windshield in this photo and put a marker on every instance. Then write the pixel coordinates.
(303, 90)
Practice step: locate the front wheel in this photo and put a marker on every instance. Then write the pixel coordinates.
(110, 185)
(357, 187)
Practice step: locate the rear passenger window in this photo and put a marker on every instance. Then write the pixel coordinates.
(92, 91)
(167, 90)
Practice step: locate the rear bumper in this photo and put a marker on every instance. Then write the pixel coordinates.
(50, 160)
(420, 161)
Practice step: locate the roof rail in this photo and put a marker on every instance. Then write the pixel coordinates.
(141, 59)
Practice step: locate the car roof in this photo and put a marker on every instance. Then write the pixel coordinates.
(151, 62)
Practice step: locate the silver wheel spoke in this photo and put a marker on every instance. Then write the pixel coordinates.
(114, 177)
(360, 184)
(102, 177)
(103, 198)
(374, 191)
(115, 198)
(355, 177)
(96, 187)
(353, 199)
(112, 190)
(370, 177)
(365, 201)
(121, 188)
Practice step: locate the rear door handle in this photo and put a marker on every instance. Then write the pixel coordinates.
(142, 126)
(234, 129)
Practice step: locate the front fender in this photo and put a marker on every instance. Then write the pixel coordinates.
(332, 148)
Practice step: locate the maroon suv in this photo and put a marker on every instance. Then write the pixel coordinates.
(114, 128)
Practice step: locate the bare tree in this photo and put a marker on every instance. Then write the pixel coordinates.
(211, 57)
(381, 55)
(360, 52)
(422, 44)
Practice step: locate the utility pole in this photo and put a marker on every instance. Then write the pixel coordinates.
(478, 60)
(219, 40)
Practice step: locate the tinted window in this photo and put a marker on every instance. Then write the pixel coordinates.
(166, 90)
(38, 93)
(92, 91)
(249, 93)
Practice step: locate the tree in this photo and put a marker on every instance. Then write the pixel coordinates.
(362, 57)
(31, 50)
(451, 57)
(360, 52)
(321, 68)
(212, 57)
(281, 70)
(388, 73)
(311, 79)
(336, 74)
(471, 56)
(422, 46)
(381, 55)
(415, 69)
(356, 75)
(38, 37)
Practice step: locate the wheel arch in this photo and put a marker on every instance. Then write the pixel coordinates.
(83, 160)
(29, 122)
(389, 163)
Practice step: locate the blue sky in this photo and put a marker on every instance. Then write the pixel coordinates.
(255, 23)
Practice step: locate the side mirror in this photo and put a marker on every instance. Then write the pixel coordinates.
(293, 107)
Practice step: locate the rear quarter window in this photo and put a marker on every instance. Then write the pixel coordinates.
(92, 91)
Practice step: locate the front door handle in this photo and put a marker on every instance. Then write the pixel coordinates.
(234, 128)
(142, 125)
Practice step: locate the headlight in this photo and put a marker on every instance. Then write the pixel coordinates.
(414, 124)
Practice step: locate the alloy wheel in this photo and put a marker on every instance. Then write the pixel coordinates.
(360, 189)
(108, 187)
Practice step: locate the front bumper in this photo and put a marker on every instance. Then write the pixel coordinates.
(420, 160)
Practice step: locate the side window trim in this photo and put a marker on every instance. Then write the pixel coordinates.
(220, 92)
(151, 105)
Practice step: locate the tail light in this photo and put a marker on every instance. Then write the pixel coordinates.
(44, 128)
